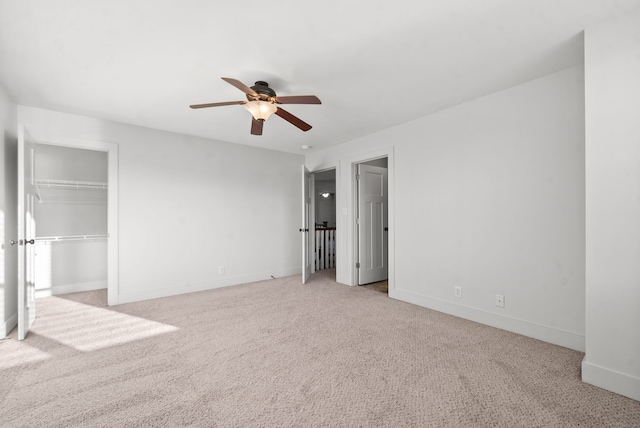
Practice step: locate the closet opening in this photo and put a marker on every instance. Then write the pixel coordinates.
(71, 220)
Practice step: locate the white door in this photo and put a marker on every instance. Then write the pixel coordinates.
(372, 224)
(26, 234)
(307, 253)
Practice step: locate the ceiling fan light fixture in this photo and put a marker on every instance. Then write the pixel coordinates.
(262, 102)
(260, 110)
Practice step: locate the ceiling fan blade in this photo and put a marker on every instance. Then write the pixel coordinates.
(298, 99)
(256, 127)
(226, 103)
(238, 84)
(293, 119)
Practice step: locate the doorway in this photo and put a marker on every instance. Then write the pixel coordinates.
(29, 188)
(325, 220)
(346, 210)
(71, 220)
(372, 219)
(319, 222)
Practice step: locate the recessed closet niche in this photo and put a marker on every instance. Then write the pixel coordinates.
(71, 219)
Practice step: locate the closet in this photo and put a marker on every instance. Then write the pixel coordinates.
(71, 219)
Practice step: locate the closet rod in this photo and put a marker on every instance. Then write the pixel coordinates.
(67, 184)
(69, 238)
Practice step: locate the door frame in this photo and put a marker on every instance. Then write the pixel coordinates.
(112, 203)
(3, 224)
(358, 225)
(339, 236)
(307, 218)
(26, 233)
(352, 246)
(313, 210)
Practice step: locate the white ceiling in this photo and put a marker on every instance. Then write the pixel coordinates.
(374, 64)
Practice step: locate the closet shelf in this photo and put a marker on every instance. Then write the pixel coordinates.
(51, 188)
(68, 184)
(69, 238)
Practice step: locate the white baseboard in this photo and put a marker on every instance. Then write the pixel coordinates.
(226, 281)
(525, 328)
(610, 380)
(9, 325)
(71, 288)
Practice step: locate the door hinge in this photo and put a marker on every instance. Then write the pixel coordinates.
(358, 265)
(357, 176)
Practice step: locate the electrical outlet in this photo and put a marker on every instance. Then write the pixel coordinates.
(457, 292)
(221, 270)
(500, 300)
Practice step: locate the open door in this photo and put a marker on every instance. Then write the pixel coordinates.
(307, 252)
(26, 234)
(372, 224)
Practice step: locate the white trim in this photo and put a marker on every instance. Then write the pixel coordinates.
(611, 380)
(547, 334)
(9, 325)
(207, 285)
(312, 220)
(4, 256)
(113, 290)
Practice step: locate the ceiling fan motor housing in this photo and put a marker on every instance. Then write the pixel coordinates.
(262, 89)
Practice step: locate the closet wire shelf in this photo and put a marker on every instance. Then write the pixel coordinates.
(67, 184)
(69, 238)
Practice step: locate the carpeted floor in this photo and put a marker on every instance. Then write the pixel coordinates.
(381, 286)
(281, 354)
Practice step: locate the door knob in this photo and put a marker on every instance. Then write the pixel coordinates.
(12, 242)
(29, 241)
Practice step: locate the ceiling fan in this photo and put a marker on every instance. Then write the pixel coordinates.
(262, 102)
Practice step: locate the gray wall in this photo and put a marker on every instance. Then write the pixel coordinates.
(488, 196)
(189, 205)
(612, 66)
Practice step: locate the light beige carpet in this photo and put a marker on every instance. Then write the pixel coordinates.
(381, 286)
(281, 354)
